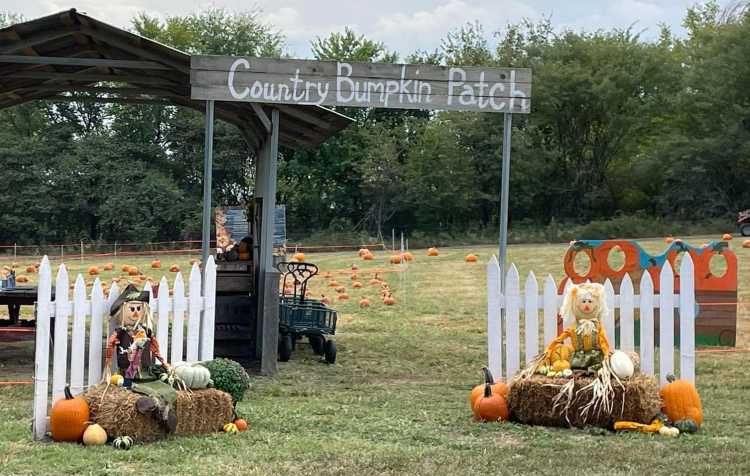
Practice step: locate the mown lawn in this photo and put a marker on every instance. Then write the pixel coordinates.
(395, 402)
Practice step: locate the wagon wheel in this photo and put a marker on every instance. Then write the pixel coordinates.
(330, 351)
(285, 348)
(317, 342)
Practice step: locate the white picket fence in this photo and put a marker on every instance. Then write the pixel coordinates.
(626, 302)
(68, 366)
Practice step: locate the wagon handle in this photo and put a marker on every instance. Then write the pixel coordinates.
(300, 273)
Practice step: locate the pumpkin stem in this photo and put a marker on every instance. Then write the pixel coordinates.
(488, 378)
(671, 378)
(487, 390)
(68, 395)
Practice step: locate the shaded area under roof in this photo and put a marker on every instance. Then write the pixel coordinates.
(69, 52)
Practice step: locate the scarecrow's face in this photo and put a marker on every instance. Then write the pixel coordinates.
(133, 312)
(587, 305)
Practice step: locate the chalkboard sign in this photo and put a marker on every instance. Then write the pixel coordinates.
(279, 226)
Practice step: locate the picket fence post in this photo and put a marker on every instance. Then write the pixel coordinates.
(512, 329)
(41, 352)
(687, 319)
(666, 322)
(494, 327)
(60, 350)
(194, 314)
(209, 310)
(178, 318)
(647, 324)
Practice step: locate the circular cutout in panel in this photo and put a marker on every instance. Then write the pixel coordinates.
(581, 264)
(718, 265)
(678, 262)
(616, 259)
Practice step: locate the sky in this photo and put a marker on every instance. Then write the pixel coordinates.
(402, 25)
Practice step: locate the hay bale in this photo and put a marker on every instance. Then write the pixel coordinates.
(198, 411)
(531, 402)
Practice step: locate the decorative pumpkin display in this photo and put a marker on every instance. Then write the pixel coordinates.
(395, 259)
(68, 418)
(560, 365)
(22, 278)
(241, 424)
(471, 258)
(109, 267)
(621, 364)
(230, 428)
(490, 406)
(195, 376)
(407, 256)
(94, 435)
(174, 269)
(156, 264)
(123, 443)
(389, 300)
(93, 270)
(746, 244)
(132, 271)
(364, 302)
(343, 297)
(117, 379)
(726, 237)
(680, 401)
(298, 257)
(325, 299)
(341, 289)
(501, 388)
(356, 285)
(432, 251)
(30, 268)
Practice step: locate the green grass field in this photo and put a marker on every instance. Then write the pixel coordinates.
(396, 400)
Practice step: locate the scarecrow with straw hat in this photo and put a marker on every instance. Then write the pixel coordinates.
(137, 351)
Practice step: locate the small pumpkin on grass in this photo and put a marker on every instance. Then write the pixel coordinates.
(490, 406)
(746, 244)
(375, 281)
(174, 269)
(156, 264)
(333, 284)
(407, 256)
(94, 435)
(125, 268)
(69, 418)
(471, 258)
(22, 278)
(389, 300)
(230, 428)
(354, 267)
(30, 268)
(93, 270)
(133, 271)
(364, 302)
(343, 297)
(299, 257)
(432, 251)
(109, 267)
(368, 256)
(680, 401)
(123, 443)
(241, 424)
(726, 237)
(396, 259)
(501, 388)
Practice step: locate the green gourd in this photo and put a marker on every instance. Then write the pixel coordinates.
(686, 426)
(123, 443)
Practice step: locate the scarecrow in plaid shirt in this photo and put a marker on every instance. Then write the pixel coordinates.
(137, 351)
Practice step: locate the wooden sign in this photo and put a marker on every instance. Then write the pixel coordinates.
(336, 83)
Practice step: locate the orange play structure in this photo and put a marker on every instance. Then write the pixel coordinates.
(716, 294)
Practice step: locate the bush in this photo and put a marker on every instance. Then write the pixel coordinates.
(229, 376)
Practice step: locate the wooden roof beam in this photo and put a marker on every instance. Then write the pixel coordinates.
(33, 40)
(115, 78)
(68, 61)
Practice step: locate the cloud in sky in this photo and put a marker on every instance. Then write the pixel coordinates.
(404, 26)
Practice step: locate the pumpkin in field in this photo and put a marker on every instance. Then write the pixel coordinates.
(375, 281)
(125, 268)
(668, 240)
(353, 277)
(22, 278)
(726, 237)
(298, 257)
(368, 256)
(490, 406)
(133, 271)
(174, 269)
(396, 259)
(109, 267)
(364, 302)
(680, 401)
(68, 418)
(354, 267)
(241, 424)
(30, 268)
(94, 436)
(407, 256)
(195, 261)
(471, 258)
(156, 264)
(746, 244)
(432, 251)
(325, 299)
(362, 252)
(327, 275)
(356, 285)
(230, 428)
(343, 297)
(93, 270)
(341, 289)
(389, 300)
(501, 388)
(333, 284)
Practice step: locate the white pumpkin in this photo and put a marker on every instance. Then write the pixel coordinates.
(194, 375)
(621, 364)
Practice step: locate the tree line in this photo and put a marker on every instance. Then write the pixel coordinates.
(620, 126)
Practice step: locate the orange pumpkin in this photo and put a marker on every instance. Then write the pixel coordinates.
(69, 418)
(333, 284)
(726, 237)
(327, 275)
(30, 268)
(396, 259)
(354, 267)
(343, 297)
(375, 281)
(680, 401)
(364, 302)
(353, 277)
(93, 270)
(125, 268)
(432, 251)
(133, 271)
(501, 388)
(156, 264)
(490, 406)
(341, 289)
(22, 278)
(471, 258)
(298, 257)
(746, 244)
(668, 240)
(356, 285)
(389, 300)
(362, 252)
(407, 256)
(241, 424)
(174, 269)
(368, 256)
(109, 267)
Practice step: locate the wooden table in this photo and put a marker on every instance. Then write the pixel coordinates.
(14, 299)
